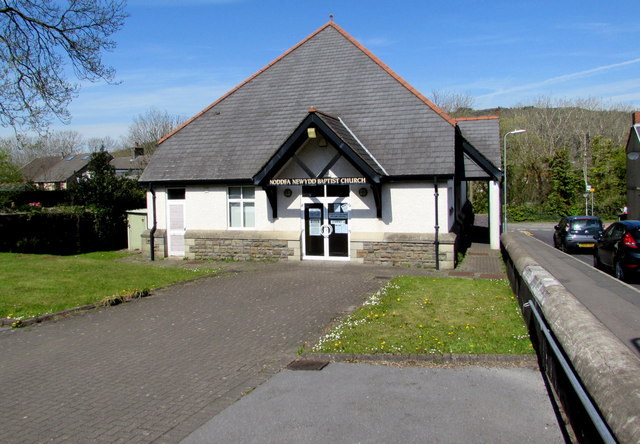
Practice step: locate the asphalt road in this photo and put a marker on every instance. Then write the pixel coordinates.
(616, 304)
(544, 231)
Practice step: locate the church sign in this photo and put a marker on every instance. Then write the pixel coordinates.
(319, 181)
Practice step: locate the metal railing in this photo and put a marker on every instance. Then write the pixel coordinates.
(596, 419)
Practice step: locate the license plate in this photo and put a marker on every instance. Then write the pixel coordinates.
(586, 245)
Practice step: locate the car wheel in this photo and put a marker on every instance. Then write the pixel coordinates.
(619, 271)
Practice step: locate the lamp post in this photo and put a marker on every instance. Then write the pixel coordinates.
(504, 180)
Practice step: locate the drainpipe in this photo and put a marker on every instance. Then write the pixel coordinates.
(152, 239)
(436, 242)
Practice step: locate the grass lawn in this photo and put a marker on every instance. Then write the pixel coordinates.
(433, 315)
(32, 284)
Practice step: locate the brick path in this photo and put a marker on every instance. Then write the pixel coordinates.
(157, 368)
(481, 262)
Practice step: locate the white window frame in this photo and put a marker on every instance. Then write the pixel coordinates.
(242, 201)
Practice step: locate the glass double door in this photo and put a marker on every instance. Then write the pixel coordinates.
(326, 229)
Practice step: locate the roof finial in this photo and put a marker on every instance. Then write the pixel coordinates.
(331, 18)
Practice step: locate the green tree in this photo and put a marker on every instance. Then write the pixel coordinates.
(479, 196)
(9, 173)
(565, 185)
(608, 176)
(107, 195)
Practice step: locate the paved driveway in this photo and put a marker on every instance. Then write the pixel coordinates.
(158, 368)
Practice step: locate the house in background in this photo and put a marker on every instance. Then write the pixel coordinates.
(56, 173)
(633, 168)
(130, 166)
(324, 154)
(38, 167)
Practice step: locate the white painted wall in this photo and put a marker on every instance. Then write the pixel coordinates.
(161, 209)
(408, 207)
(206, 208)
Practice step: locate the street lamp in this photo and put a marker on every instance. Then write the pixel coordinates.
(504, 180)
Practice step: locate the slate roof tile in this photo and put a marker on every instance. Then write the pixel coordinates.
(484, 134)
(63, 170)
(235, 137)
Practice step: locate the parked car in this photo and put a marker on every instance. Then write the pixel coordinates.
(577, 232)
(618, 249)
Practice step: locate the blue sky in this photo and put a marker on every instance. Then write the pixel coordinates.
(181, 55)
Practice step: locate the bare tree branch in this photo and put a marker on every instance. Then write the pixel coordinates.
(38, 38)
(450, 102)
(148, 128)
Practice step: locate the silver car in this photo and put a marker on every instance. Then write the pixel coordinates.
(573, 232)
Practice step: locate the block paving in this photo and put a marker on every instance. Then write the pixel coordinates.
(155, 369)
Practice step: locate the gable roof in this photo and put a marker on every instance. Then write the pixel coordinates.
(61, 170)
(236, 136)
(482, 147)
(38, 167)
(127, 163)
(336, 132)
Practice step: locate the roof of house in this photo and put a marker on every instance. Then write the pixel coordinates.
(63, 169)
(338, 134)
(38, 167)
(483, 133)
(127, 163)
(237, 135)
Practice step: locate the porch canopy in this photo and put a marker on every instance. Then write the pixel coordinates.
(338, 134)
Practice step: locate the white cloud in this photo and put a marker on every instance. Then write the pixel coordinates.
(558, 79)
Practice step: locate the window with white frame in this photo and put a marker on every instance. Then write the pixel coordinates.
(242, 204)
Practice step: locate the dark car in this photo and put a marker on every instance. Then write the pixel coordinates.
(577, 232)
(618, 249)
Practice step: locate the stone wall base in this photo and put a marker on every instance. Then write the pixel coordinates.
(399, 249)
(160, 244)
(241, 245)
(403, 251)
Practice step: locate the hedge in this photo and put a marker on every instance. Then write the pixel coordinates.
(58, 233)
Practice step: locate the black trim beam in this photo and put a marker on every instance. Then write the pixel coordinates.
(481, 160)
(272, 196)
(376, 188)
(302, 165)
(296, 140)
(288, 150)
(355, 160)
(281, 156)
(331, 163)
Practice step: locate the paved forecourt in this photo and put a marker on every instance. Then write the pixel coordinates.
(159, 367)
